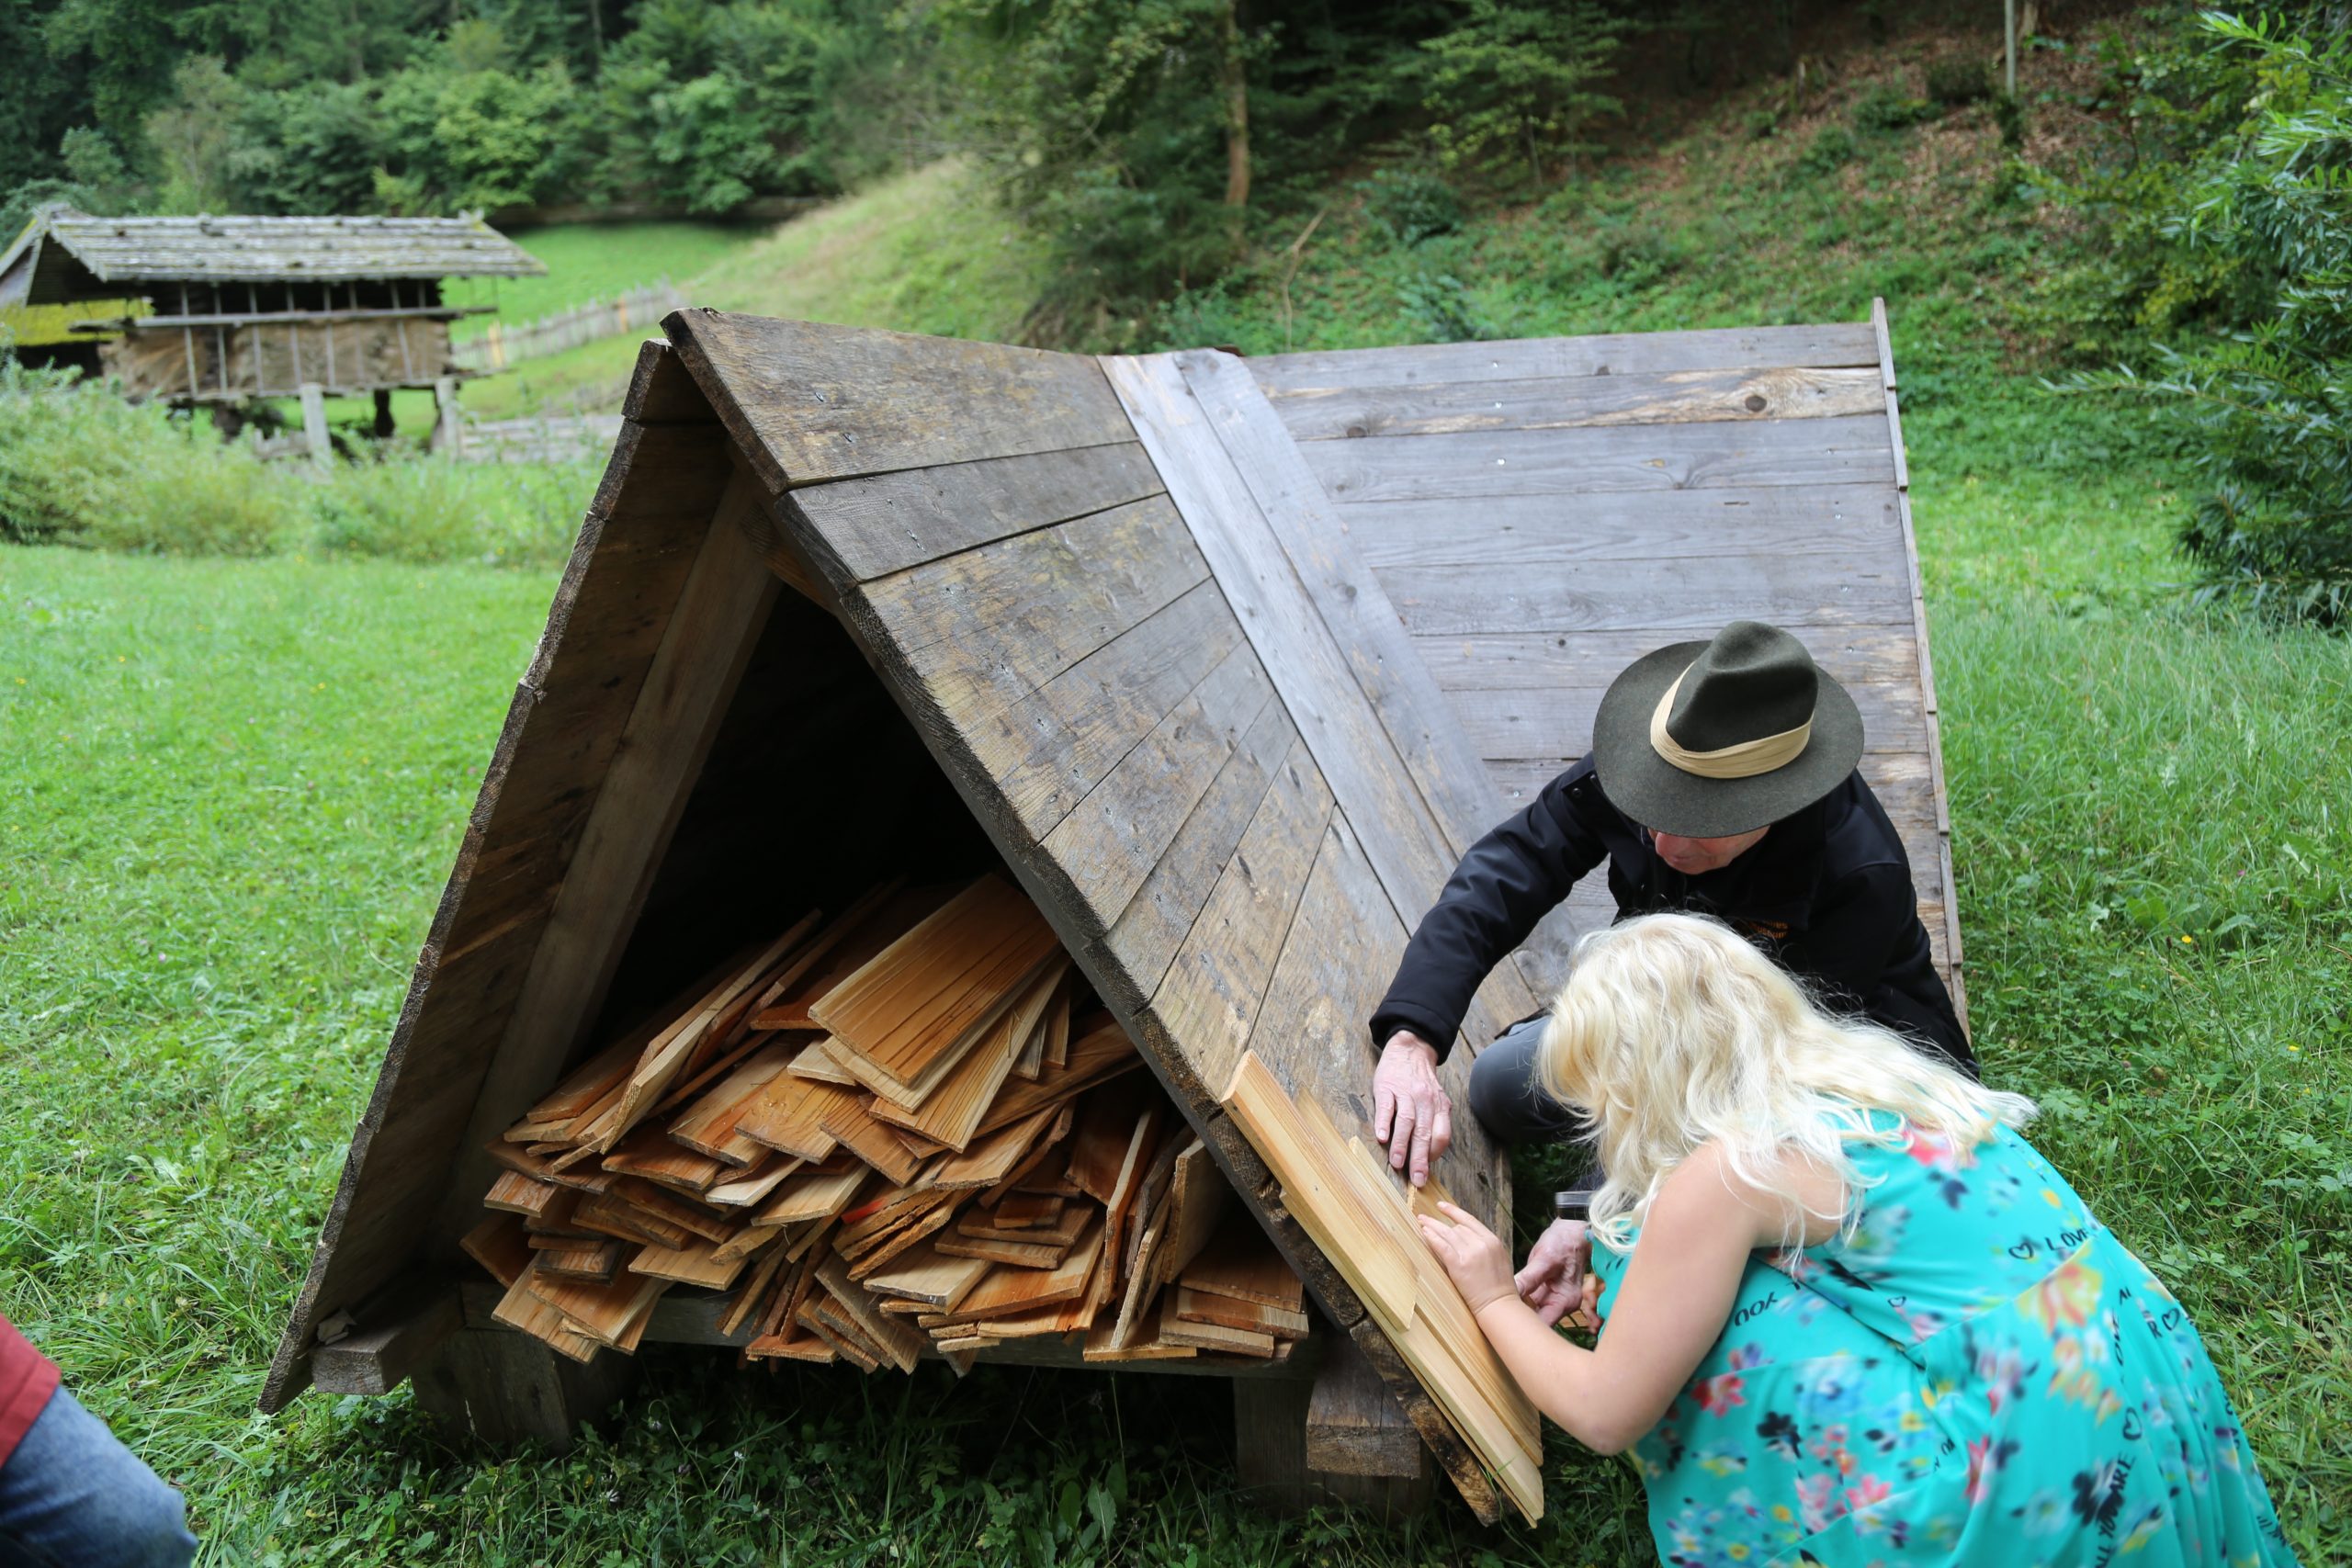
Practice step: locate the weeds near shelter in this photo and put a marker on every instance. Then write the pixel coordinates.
(78, 466)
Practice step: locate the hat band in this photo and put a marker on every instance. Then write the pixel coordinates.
(1743, 760)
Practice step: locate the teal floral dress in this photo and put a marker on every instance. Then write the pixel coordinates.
(1979, 1373)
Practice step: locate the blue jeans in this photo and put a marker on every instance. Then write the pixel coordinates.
(1507, 1097)
(72, 1496)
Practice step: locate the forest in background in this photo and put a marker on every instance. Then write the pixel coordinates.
(2197, 253)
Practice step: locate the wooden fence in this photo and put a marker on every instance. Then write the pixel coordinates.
(639, 310)
(576, 438)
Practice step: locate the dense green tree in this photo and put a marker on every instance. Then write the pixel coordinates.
(2231, 255)
(457, 140)
(710, 104)
(1522, 81)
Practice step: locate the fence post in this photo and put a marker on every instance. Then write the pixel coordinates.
(315, 424)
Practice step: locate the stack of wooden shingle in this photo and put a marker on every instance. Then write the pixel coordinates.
(909, 1128)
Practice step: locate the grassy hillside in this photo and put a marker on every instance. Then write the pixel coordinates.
(598, 260)
(926, 252)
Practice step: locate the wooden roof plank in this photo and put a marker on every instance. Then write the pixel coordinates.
(1556, 721)
(1788, 590)
(810, 403)
(1137, 949)
(1543, 657)
(1831, 346)
(1115, 837)
(1318, 682)
(1850, 449)
(129, 253)
(987, 628)
(1646, 525)
(1352, 413)
(889, 522)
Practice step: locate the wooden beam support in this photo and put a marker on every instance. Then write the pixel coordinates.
(1354, 1426)
(376, 1361)
(501, 1388)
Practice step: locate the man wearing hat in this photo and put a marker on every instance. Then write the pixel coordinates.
(1720, 782)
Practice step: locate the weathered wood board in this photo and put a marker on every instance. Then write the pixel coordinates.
(1541, 514)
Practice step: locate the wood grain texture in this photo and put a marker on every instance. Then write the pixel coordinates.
(809, 402)
(1428, 743)
(1279, 596)
(1614, 354)
(1560, 402)
(986, 629)
(1949, 952)
(1354, 1426)
(1135, 953)
(661, 392)
(887, 522)
(719, 613)
(1363, 1226)
(1842, 451)
(1796, 591)
(1657, 526)
(1556, 721)
(1853, 655)
(1112, 840)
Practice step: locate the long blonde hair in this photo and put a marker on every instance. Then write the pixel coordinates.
(1673, 1032)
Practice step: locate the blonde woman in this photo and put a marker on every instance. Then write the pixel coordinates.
(1852, 1316)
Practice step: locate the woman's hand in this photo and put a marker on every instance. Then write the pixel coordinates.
(1474, 1258)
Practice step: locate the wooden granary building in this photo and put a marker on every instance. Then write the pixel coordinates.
(242, 308)
(1223, 662)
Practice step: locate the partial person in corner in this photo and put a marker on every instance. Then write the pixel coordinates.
(1721, 782)
(70, 1494)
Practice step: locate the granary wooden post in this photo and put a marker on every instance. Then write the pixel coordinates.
(315, 424)
(448, 431)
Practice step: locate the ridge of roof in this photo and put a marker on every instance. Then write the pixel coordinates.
(207, 247)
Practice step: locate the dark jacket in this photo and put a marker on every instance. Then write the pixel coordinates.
(1827, 893)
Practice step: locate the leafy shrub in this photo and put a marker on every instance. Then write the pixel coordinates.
(78, 466)
(1511, 81)
(1637, 257)
(2250, 224)
(2008, 113)
(1411, 204)
(1832, 150)
(1440, 306)
(1957, 80)
(418, 508)
(1884, 108)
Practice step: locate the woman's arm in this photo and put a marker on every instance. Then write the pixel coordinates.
(1667, 1316)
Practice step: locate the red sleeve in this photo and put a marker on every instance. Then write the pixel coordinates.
(27, 1380)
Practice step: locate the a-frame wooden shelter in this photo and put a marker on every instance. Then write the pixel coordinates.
(1227, 660)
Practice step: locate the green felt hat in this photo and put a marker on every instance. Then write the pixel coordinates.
(1706, 739)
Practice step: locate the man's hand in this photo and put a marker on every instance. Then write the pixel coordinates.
(1409, 1111)
(1554, 1281)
